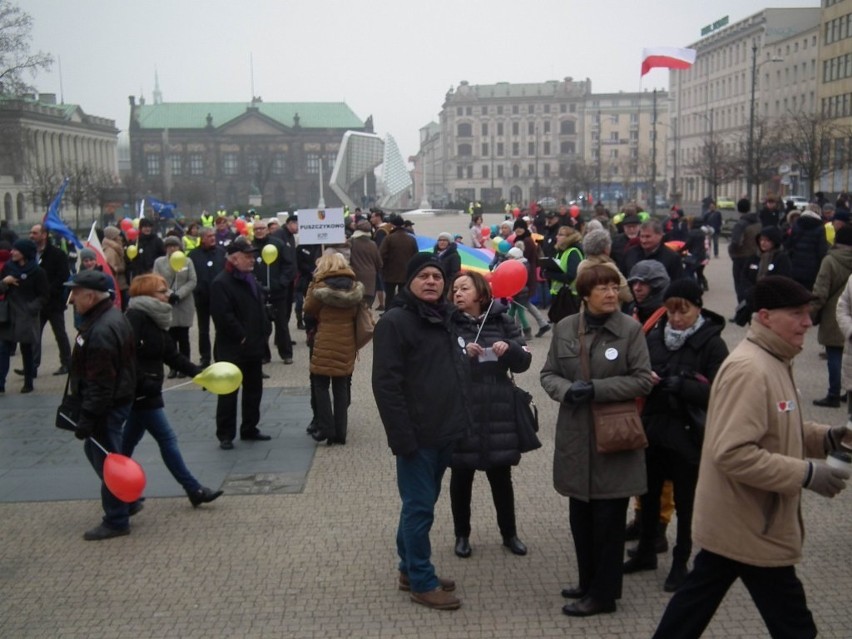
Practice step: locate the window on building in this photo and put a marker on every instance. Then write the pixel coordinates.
(460, 172)
(468, 111)
(530, 108)
(530, 148)
(152, 164)
(484, 110)
(485, 170)
(530, 128)
(546, 126)
(531, 170)
(499, 170)
(516, 128)
(499, 149)
(484, 150)
(459, 111)
(196, 164)
(634, 118)
(515, 109)
(469, 172)
(516, 171)
(313, 162)
(230, 163)
(613, 154)
(546, 148)
(176, 164)
(516, 148)
(464, 130)
(563, 108)
(545, 169)
(567, 127)
(500, 110)
(465, 150)
(566, 148)
(613, 136)
(499, 128)
(572, 108)
(279, 164)
(484, 128)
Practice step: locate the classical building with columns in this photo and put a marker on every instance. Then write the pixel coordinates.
(42, 141)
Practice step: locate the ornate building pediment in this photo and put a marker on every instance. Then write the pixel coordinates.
(252, 123)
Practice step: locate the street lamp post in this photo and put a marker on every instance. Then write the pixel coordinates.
(750, 176)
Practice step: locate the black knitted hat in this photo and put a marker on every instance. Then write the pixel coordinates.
(685, 288)
(777, 291)
(418, 263)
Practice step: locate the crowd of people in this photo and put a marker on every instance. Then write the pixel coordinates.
(623, 297)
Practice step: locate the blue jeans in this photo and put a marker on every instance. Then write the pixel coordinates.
(155, 422)
(115, 511)
(418, 477)
(834, 359)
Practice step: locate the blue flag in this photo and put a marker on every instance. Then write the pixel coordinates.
(52, 221)
(163, 209)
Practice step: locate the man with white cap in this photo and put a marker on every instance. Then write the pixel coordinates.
(747, 517)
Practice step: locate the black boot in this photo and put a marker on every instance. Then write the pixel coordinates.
(463, 547)
(631, 533)
(677, 575)
(644, 559)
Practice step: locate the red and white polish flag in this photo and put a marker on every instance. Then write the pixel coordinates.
(95, 244)
(667, 58)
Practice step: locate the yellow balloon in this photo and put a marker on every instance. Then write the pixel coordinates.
(220, 378)
(131, 252)
(177, 260)
(496, 241)
(269, 254)
(136, 223)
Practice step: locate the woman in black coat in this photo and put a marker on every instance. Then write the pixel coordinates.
(686, 350)
(149, 314)
(807, 246)
(447, 253)
(493, 347)
(25, 290)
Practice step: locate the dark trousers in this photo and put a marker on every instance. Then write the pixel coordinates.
(116, 515)
(180, 334)
(283, 311)
(502, 492)
(331, 422)
(598, 530)
(6, 349)
(57, 325)
(740, 283)
(663, 464)
(391, 289)
(226, 408)
(777, 593)
(834, 360)
(202, 312)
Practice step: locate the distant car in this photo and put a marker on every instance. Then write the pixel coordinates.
(798, 200)
(725, 204)
(548, 203)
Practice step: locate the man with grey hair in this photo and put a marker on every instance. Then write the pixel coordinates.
(102, 383)
(651, 247)
(208, 260)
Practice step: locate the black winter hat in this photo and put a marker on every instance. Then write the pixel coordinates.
(843, 236)
(685, 288)
(520, 224)
(777, 291)
(27, 248)
(145, 222)
(771, 233)
(418, 263)
(744, 205)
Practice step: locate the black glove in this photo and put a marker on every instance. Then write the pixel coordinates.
(84, 428)
(825, 480)
(672, 384)
(580, 393)
(174, 299)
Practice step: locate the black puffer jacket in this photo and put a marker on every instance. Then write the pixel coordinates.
(494, 440)
(807, 246)
(208, 263)
(102, 372)
(669, 422)
(418, 376)
(153, 347)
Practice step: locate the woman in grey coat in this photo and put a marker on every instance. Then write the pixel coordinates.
(181, 285)
(599, 485)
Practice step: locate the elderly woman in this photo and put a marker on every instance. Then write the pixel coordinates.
(686, 350)
(149, 314)
(494, 347)
(597, 246)
(332, 300)
(24, 291)
(446, 252)
(181, 285)
(599, 485)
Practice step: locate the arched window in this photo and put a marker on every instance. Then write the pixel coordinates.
(22, 211)
(465, 130)
(7, 207)
(566, 127)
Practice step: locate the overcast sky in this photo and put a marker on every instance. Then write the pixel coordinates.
(392, 59)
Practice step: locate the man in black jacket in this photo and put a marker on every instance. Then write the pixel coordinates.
(278, 278)
(237, 306)
(150, 247)
(208, 260)
(651, 247)
(417, 383)
(54, 263)
(103, 380)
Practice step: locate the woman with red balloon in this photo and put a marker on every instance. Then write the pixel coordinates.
(493, 347)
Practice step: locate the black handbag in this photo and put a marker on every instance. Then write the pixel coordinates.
(526, 419)
(68, 413)
(565, 303)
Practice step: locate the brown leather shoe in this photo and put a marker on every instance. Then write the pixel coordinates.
(447, 585)
(437, 599)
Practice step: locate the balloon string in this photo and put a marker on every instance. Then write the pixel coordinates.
(96, 443)
(485, 317)
(165, 390)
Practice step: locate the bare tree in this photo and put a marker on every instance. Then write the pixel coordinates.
(15, 57)
(44, 183)
(716, 163)
(83, 189)
(808, 144)
(582, 177)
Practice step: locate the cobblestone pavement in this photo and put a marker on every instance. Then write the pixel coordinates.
(314, 555)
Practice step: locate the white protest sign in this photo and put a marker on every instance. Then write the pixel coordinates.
(321, 226)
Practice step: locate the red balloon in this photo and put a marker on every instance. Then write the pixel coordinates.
(124, 477)
(131, 234)
(508, 279)
(486, 232)
(574, 210)
(516, 211)
(240, 223)
(126, 223)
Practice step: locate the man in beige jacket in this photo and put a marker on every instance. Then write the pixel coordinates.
(753, 468)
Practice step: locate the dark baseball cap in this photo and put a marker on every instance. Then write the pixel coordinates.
(241, 245)
(92, 280)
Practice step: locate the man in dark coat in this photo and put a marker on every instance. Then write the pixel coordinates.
(651, 247)
(208, 260)
(103, 381)
(418, 383)
(395, 250)
(237, 306)
(150, 248)
(54, 263)
(278, 278)
(770, 214)
(713, 218)
(626, 240)
(288, 235)
(742, 245)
